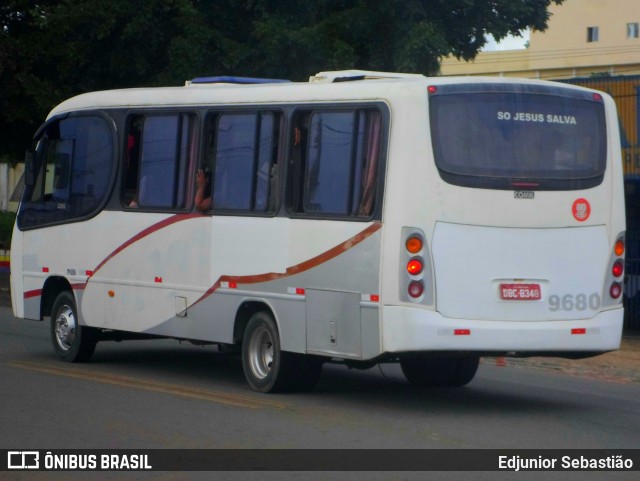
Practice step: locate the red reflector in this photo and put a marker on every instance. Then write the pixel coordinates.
(233, 285)
(374, 297)
(462, 332)
(45, 269)
(579, 330)
(300, 291)
(525, 185)
(158, 279)
(432, 89)
(88, 273)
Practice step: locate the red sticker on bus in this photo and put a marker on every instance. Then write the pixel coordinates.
(581, 209)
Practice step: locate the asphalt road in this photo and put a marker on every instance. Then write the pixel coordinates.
(162, 394)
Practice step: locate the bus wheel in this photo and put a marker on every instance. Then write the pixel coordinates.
(71, 341)
(266, 367)
(427, 371)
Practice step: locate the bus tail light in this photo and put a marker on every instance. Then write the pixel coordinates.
(617, 269)
(615, 277)
(615, 291)
(414, 244)
(414, 267)
(416, 275)
(416, 289)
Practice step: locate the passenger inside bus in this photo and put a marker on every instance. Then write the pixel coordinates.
(203, 193)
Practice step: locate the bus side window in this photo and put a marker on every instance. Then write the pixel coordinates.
(131, 161)
(365, 192)
(297, 162)
(156, 161)
(335, 161)
(242, 152)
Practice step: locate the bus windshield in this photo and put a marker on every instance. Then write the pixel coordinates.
(518, 140)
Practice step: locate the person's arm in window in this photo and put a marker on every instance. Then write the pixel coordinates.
(203, 198)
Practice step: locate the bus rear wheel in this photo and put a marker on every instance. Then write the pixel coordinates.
(428, 371)
(267, 368)
(71, 341)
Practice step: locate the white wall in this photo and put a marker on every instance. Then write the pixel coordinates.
(9, 177)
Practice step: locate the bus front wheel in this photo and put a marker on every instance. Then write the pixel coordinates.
(71, 341)
(269, 369)
(427, 371)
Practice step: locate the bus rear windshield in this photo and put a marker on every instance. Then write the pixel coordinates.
(533, 140)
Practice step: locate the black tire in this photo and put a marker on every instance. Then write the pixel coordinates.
(426, 371)
(267, 368)
(71, 341)
(466, 370)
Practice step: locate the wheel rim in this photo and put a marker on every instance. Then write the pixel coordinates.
(65, 328)
(261, 353)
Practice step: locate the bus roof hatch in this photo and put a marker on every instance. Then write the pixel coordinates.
(226, 79)
(351, 75)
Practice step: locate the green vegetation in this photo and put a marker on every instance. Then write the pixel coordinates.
(6, 227)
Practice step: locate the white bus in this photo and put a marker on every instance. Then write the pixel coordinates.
(362, 217)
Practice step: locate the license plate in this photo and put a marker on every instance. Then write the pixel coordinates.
(520, 292)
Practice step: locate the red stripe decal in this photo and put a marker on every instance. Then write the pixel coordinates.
(34, 293)
(38, 292)
(146, 232)
(235, 280)
(298, 268)
(309, 264)
(141, 235)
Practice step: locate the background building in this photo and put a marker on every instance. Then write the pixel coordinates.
(585, 38)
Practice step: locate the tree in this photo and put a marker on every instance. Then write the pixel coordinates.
(53, 49)
(389, 35)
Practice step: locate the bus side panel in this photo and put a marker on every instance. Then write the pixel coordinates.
(187, 276)
(301, 297)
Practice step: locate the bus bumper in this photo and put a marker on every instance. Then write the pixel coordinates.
(406, 329)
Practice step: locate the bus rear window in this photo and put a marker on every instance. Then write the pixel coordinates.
(518, 140)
